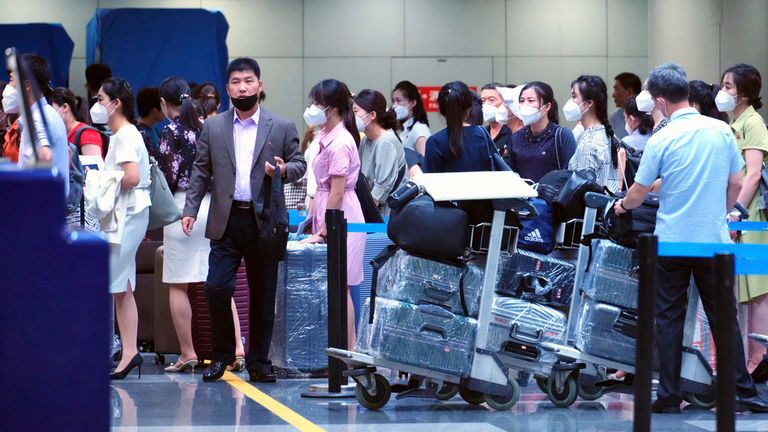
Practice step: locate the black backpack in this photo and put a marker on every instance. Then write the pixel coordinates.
(76, 181)
(626, 228)
(632, 165)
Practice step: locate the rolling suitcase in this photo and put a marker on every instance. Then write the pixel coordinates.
(374, 244)
(535, 277)
(612, 275)
(201, 318)
(518, 327)
(300, 335)
(607, 331)
(413, 279)
(425, 336)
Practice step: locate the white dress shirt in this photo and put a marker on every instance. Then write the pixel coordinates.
(244, 134)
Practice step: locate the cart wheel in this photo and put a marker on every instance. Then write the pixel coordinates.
(589, 392)
(542, 383)
(447, 392)
(377, 401)
(470, 396)
(281, 373)
(565, 396)
(700, 401)
(503, 403)
(159, 359)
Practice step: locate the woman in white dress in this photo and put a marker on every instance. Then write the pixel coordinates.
(127, 153)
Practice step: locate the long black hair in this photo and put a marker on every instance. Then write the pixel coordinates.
(454, 101)
(176, 92)
(748, 82)
(411, 92)
(374, 101)
(646, 121)
(208, 96)
(704, 94)
(547, 96)
(118, 88)
(333, 93)
(63, 95)
(593, 88)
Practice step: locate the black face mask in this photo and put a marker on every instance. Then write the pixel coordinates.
(246, 103)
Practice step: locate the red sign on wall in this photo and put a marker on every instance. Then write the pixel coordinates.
(429, 96)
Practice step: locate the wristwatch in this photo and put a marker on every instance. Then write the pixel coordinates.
(621, 204)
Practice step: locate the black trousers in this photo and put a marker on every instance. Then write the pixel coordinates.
(674, 275)
(241, 240)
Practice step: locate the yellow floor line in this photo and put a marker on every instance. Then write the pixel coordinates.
(274, 406)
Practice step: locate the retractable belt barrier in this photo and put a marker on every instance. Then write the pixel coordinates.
(729, 260)
(295, 217)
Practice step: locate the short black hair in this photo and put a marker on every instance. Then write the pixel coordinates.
(95, 74)
(630, 81)
(148, 98)
(669, 81)
(41, 73)
(242, 64)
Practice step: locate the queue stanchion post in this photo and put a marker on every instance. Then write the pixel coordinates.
(336, 239)
(648, 256)
(724, 309)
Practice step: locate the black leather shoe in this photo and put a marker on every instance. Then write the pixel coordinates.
(753, 403)
(216, 370)
(665, 407)
(262, 376)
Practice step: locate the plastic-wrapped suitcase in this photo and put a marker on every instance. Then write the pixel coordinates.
(300, 335)
(426, 336)
(535, 277)
(607, 331)
(413, 279)
(201, 317)
(374, 244)
(612, 275)
(518, 326)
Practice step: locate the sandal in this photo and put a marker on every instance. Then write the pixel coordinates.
(180, 366)
(238, 365)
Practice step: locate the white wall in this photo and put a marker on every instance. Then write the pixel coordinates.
(376, 43)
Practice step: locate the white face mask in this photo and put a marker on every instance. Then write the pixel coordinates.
(644, 101)
(502, 114)
(99, 113)
(401, 111)
(529, 114)
(360, 122)
(628, 128)
(314, 115)
(10, 100)
(489, 113)
(725, 102)
(512, 99)
(572, 110)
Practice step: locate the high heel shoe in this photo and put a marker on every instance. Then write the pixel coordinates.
(180, 366)
(137, 360)
(238, 365)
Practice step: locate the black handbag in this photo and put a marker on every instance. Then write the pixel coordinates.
(625, 229)
(370, 210)
(423, 227)
(564, 190)
(273, 232)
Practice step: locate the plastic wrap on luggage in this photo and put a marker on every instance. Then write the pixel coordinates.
(300, 334)
(607, 331)
(426, 336)
(612, 276)
(531, 318)
(413, 279)
(535, 277)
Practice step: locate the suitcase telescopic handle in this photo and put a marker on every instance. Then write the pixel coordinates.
(516, 333)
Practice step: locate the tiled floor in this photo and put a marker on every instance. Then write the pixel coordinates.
(183, 402)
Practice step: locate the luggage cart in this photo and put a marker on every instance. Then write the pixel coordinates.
(488, 380)
(577, 373)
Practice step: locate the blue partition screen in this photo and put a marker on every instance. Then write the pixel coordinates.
(50, 41)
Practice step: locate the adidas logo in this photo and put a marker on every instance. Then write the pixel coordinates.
(534, 236)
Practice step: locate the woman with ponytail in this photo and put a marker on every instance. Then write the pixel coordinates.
(185, 257)
(336, 168)
(596, 149)
(382, 157)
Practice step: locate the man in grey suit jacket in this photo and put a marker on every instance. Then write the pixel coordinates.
(236, 156)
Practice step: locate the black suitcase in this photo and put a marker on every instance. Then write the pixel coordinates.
(535, 277)
(626, 228)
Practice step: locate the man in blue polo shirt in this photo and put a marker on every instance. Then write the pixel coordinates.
(699, 164)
